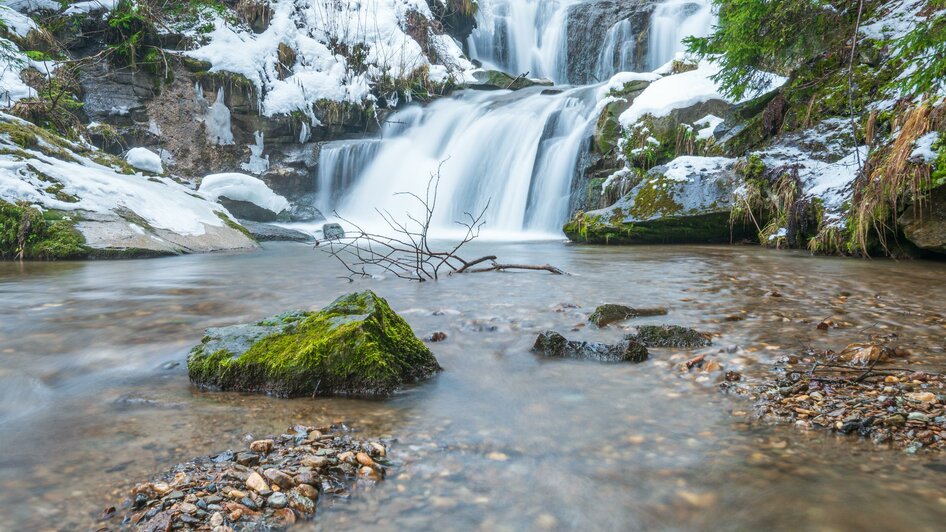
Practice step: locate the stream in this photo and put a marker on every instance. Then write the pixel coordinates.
(94, 394)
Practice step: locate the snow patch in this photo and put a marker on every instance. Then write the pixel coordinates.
(708, 125)
(144, 159)
(91, 6)
(241, 187)
(258, 163)
(684, 169)
(923, 151)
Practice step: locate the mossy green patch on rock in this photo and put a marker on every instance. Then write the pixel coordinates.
(356, 346)
(26, 234)
(711, 228)
(610, 313)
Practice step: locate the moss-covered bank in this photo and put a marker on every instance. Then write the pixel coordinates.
(356, 346)
(25, 233)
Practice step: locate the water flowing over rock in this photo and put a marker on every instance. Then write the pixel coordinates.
(356, 346)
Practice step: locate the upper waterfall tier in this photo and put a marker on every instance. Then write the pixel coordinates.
(584, 41)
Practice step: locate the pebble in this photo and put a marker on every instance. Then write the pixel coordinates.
(918, 416)
(216, 519)
(262, 446)
(277, 500)
(922, 397)
(279, 478)
(364, 459)
(256, 482)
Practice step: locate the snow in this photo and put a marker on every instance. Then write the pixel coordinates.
(708, 123)
(91, 6)
(28, 6)
(619, 80)
(144, 159)
(923, 151)
(20, 25)
(12, 62)
(307, 27)
(258, 164)
(163, 203)
(679, 91)
(216, 118)
(685, 168)
(241, 187)
(898, 17)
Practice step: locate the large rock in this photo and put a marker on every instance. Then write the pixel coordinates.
(926, 226)
(496, 80)
(685, 201)
(553, 345)
(356, 346)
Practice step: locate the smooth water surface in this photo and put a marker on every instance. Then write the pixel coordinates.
(94, 393)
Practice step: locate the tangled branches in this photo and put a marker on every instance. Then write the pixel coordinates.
(407, 252)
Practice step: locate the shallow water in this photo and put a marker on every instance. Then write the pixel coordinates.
(501, 439)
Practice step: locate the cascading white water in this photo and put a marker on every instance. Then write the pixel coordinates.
(340, 162)
(617, 54)
(672, 21)
(517, 151)
(520, 36)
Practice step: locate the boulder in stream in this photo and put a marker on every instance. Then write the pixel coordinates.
(553, 345)
(356, 346)
(668, 336)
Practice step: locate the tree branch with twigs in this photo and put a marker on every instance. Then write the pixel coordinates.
(407, 253)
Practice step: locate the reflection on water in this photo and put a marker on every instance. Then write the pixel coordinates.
(94, 392)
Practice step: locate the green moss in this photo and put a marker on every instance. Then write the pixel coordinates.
(18, 134)
(355, 346)
(231, 223)
(25, 233)
(655, 198)
(703, 229)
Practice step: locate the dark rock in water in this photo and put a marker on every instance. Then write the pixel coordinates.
(244, 210)
(496, 80)
(669, 336)
(269, 233)
(303, 210)
(610, 313)
(332, 232)
(356, 346)
(926, 228)
(553, 345)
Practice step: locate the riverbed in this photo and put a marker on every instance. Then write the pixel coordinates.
(94, 393)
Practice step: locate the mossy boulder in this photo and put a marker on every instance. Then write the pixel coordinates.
(610, 313)
(553, 345)
(669, 336)
(356, 346)
(688, 200)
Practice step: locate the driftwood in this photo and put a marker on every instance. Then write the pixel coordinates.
(407, 253)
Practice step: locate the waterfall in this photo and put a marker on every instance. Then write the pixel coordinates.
(519, 36)
(672, 21)
(617, 54)
(339, 164)
(517, 151)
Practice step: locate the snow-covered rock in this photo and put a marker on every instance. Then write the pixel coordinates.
(113, 210)
(234, 190)
(145, 159)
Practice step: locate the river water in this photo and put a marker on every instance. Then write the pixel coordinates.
(94, 394)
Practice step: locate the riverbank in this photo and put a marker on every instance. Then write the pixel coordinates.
(502, 437)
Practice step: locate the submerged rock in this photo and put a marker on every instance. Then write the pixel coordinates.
(267, 232)
(553, 345)
(669, 336)
(610, 313)
(356, 346)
